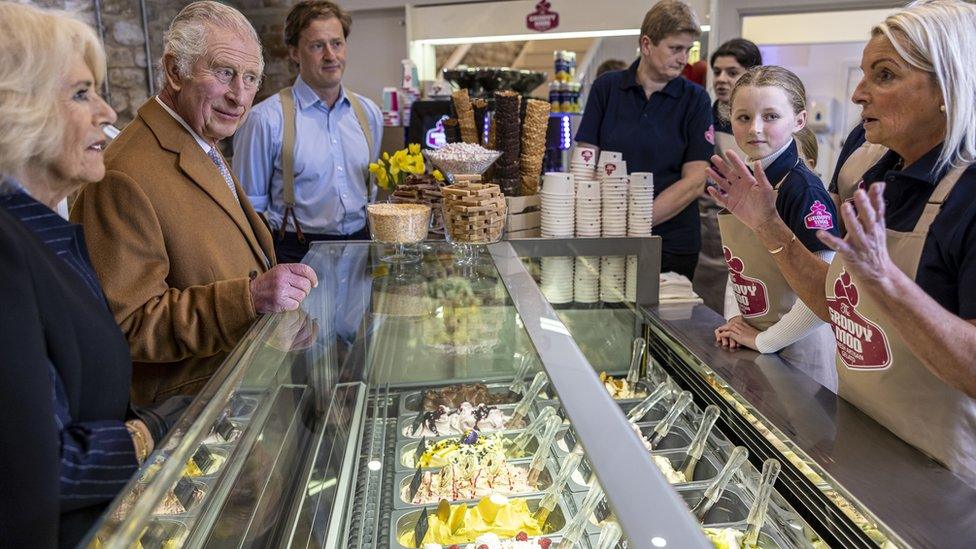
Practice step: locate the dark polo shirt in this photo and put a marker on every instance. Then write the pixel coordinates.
(657, 134)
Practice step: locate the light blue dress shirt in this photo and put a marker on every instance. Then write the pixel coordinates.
(330, 161)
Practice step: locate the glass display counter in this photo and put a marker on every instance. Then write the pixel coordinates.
(343, 424)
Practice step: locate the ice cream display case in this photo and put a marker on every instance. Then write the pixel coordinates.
(445, 404)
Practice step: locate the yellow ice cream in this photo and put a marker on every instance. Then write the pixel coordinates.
(725, 538)
(462, 524)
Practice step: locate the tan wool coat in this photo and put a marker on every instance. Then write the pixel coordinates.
(174, 251)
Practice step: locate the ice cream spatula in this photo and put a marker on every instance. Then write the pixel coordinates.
(609, 535)
(543, 454)
(549, 501)
(528, 398)
(535, 427)
(664, 427)
(638, 412)
(757, 513)
(636, 358)
(518, 384)
(576, 528)
(714, 491)
(694, 453)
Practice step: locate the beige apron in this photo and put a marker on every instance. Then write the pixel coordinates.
(712, 272)
(850, 177)
(881, 376)
(764, 296)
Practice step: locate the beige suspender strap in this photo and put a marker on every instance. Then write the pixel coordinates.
(288, 115)
(288, 145)
(357, 108)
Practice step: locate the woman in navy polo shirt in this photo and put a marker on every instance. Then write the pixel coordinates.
(661, 123)
(901, 291)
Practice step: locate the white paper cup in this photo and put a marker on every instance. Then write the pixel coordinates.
(558, 183)
(614, 168)
(586, 156)
(610, 156)
(642, 178)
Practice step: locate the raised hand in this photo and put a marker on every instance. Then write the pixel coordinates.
(746, 195)
(864, 249)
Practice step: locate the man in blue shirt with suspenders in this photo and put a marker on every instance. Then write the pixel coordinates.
(303, 154)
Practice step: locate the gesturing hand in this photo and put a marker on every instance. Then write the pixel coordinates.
(750, 198)
(864, 249)
(282, 288)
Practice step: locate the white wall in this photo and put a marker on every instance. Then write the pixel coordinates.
(377, 43)
(824, 70)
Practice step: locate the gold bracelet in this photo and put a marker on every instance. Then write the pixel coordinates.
(783, 247)
(138, 442)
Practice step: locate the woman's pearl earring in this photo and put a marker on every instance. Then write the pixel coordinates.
(941, 108)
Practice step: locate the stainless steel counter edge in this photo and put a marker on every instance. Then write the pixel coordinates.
(915, 497)
(650, 512)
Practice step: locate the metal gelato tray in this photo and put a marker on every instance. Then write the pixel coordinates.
(679, 437)
(707, 469)
(731, 508)
(411, 402)
(403, 521)
(406, 423)
(406, 449)
(403, 480)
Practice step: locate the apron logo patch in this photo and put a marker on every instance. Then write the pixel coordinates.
(819, 217)
(750, 293)
(861, 344)
(710, 134)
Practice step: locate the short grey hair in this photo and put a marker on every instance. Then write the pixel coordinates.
(936, 36)
(186, 38)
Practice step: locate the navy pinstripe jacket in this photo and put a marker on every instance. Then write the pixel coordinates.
(65, 375)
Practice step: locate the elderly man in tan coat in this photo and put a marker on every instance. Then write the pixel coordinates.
(186, 263)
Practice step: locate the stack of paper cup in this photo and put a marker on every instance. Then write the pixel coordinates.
(586, 280)
(556, 279)
(631, 292)
(613, 191)
(641, 204)
(558, 205)
(583, 163)
(589, 214)
(609, 156)
(612, 274)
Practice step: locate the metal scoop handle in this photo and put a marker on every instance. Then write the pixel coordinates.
(714, 491)
(663, 428)
(636, 358)
(757, 514)
(639, 411)
(523, 438)
(522, 409)
(694, 452)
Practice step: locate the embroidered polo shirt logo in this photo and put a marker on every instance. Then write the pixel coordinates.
(710, 134)
(819, 217)
(861, 344)
(750, 293)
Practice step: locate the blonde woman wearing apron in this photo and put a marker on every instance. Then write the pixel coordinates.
(901, 292)
(856, 157)
(729, 62)
(768, 107)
